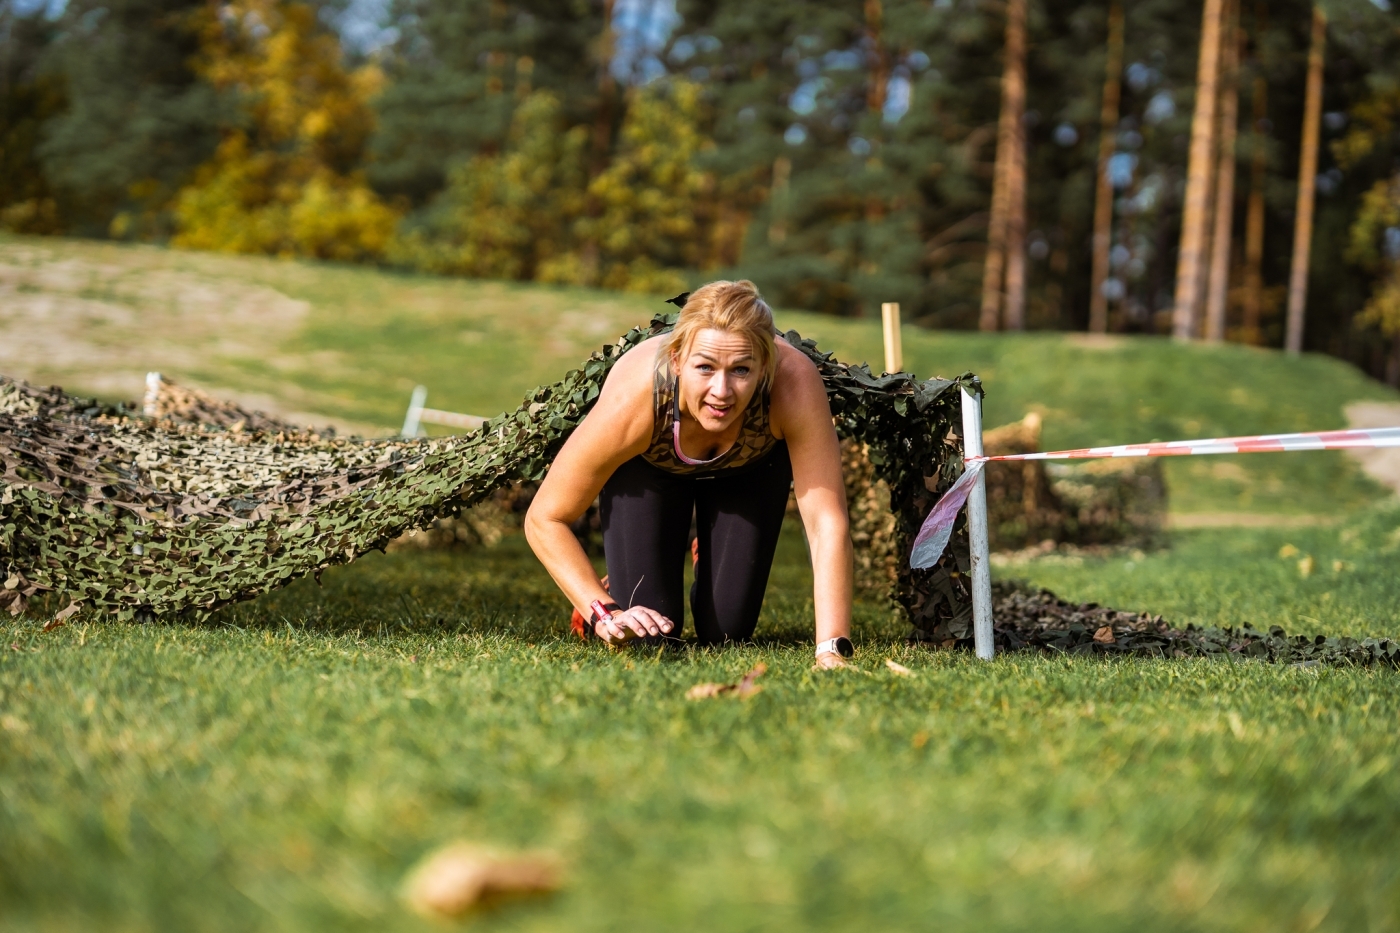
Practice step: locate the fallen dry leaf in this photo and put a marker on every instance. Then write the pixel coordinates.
(1104, 635)
(61, 617)
(461, 876)
(898, 668)
(745, 688)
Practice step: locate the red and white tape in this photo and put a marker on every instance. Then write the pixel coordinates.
(938, 527)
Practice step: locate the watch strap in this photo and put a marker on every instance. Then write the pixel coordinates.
(836, 646)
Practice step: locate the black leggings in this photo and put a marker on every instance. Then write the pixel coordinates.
(646, 529)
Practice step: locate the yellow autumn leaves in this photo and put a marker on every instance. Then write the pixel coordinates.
(284, 182)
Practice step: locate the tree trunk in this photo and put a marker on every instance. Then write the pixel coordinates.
(1307, 184)
(1392, 365)
(1199, 177)
(1254, 218)
(607, 90)
(1009, 178)
(1103, 193)
(879, 71)
(1219, 283)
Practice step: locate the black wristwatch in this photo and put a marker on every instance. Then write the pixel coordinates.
(839, 645)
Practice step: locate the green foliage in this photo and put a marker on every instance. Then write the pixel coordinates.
(27, 99)
(507, 216)
(531, 211)
(1375, 242)
(138, 118)
(643, 224)
(459, 71)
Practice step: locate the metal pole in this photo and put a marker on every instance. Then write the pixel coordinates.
(977, 531)
(414, 415)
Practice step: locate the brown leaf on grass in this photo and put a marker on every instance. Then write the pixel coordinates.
(1104, 635)
(61, 617)
(462, 876)
(745, 688)
(897, 668)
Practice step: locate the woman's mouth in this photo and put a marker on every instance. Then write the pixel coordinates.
(718, 412)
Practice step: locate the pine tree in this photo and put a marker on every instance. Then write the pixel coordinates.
(647, 226)
(1307, 181)
(459, 70)
(1191, 259)
(138, 118)
(27, 99)
(509, 215)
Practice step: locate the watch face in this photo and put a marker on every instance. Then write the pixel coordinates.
(844, 647)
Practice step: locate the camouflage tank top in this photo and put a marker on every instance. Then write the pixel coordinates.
(755, 439)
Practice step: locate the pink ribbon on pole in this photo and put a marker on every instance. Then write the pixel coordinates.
(938, 526)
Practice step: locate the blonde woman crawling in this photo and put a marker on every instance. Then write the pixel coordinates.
(717, 419)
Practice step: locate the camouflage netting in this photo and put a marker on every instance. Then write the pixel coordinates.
(118, 516)
(203, 503)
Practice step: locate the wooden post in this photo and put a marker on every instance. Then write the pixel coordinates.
(1103, 189)
(1307, 184)
(894, 347)
(1009, 175)
(1199, 177)
(1219, 286)
(977, 532)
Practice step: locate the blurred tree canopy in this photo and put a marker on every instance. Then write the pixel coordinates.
(285, 179)
(839, 153)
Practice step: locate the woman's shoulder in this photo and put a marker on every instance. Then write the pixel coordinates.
(633, 373)
(793, 365)
(798, 395)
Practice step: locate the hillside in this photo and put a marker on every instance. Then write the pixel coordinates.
(349, 344)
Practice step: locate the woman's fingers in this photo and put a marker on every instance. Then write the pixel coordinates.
(656, 623)
(643, 621)
(638, 622)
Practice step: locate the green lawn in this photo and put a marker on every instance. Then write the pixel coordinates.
(281, 767)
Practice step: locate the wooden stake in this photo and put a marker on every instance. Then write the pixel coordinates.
(1307, 186)
(1219, 285)
(1199, 177)
(1103, 192)
(894, 347)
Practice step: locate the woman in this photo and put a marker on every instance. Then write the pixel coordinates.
(717, 418)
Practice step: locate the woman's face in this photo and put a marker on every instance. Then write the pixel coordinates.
(717, 378)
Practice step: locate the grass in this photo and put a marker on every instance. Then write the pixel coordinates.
(282, 767)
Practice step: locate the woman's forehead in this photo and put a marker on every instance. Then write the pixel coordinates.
(714, 342)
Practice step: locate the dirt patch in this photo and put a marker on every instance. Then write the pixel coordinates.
(1246, 520)
(99, 320)
(1383, 466)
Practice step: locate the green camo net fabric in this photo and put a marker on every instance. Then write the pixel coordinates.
(112, 515)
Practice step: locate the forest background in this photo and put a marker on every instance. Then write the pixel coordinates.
(842, 153)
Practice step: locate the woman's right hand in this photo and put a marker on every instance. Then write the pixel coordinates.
(637, 622)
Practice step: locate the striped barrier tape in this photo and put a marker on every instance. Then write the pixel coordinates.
(938, 526)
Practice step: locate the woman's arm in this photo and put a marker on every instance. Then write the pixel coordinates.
(802, 417)
(616, 430)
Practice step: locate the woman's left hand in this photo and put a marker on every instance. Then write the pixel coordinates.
(830, 660)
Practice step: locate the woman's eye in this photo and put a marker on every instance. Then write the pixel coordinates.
(741, 370)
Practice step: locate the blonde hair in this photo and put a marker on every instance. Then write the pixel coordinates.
(733, 307)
